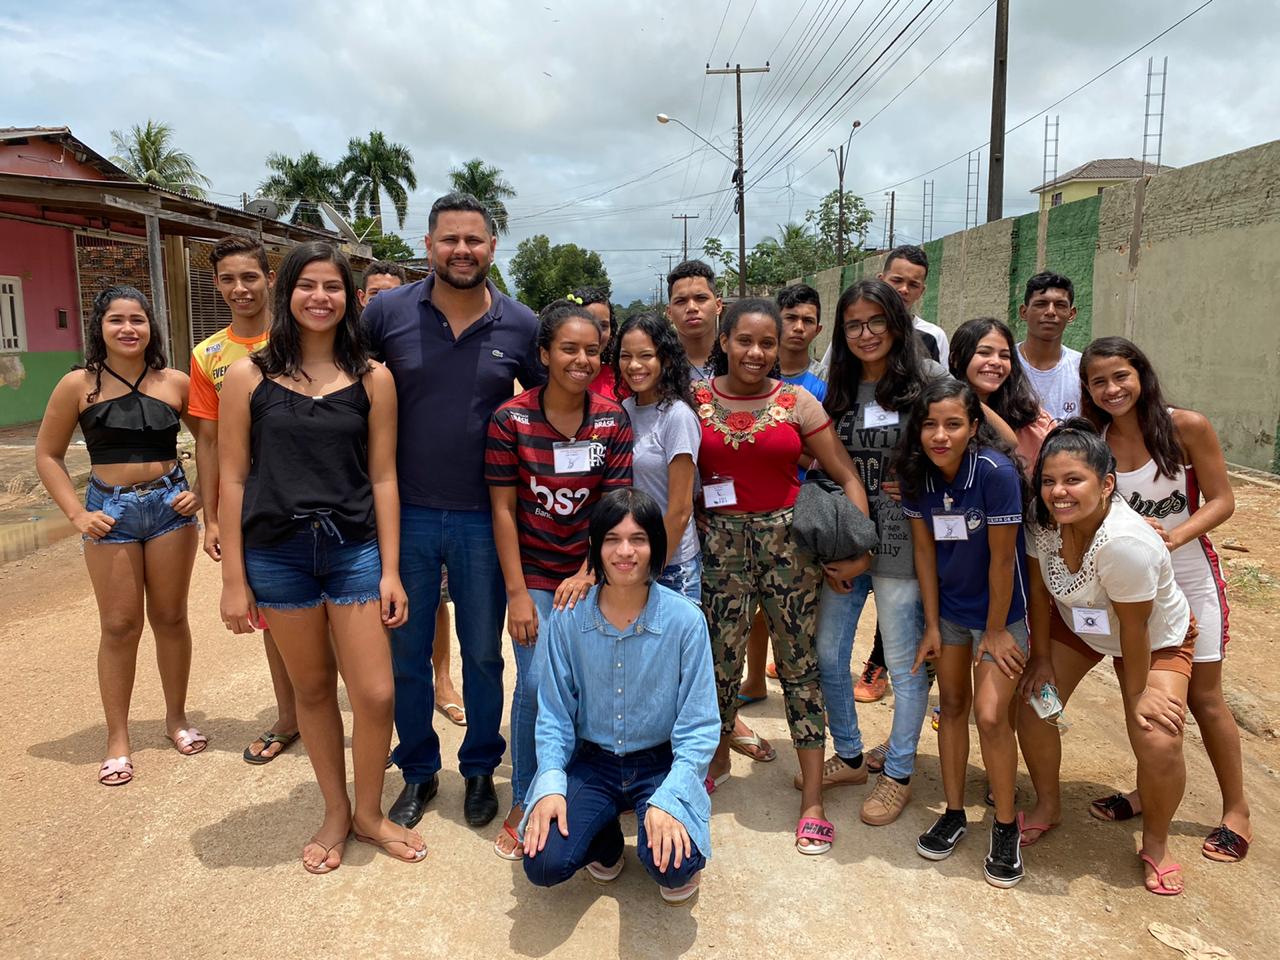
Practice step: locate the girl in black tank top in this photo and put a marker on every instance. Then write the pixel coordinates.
(138, 516)
(310, 522)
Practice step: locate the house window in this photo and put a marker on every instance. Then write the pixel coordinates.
(13, 321)
(1056, 200)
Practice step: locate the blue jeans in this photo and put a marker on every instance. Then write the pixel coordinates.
(462, 541)
(524, 704)
(602, 785)
(139, 515)
(684, 578)
(901, 625)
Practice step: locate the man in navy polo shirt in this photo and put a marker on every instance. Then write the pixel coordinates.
(455, 345)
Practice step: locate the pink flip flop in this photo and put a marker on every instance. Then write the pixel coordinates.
(189, 742)
(117, 767)
(811, 828)
(1023, 825)
(1161, 890)
(712, 782)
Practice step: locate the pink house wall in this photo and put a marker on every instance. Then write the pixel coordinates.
(45, 259)
(39, 158)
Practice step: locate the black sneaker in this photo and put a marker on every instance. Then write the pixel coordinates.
(1003, 866)
(940, 840)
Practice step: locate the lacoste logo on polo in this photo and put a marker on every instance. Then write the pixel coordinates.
(498, 354)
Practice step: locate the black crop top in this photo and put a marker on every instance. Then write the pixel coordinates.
(133, 428)
(308, 462)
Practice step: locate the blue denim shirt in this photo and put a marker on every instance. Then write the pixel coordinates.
(630, 690)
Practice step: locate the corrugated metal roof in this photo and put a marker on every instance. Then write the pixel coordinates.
(1120, 168)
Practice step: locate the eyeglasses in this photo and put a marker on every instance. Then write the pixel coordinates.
(874, 326)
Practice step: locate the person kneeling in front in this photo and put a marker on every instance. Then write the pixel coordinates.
(627, 717)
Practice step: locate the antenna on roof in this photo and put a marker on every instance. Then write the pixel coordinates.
(262, 207)
(1151, 153)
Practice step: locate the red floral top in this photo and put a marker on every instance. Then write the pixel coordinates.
(756, 441)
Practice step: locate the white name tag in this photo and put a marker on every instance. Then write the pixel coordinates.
(874, 415)
(949, 526)
(719, 492)
(1088, 620)
(572, 458)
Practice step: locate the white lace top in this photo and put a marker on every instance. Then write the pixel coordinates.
(1127, 562)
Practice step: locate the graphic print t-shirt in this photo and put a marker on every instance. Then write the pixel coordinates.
(209, 363)
(553, 511)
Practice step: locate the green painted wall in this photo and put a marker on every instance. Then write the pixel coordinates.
(25, 400)
(1069, 250)
(1022, 266)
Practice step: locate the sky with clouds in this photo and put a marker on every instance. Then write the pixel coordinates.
(563, 96)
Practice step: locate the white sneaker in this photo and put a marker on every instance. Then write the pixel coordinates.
(681, 895)
(602, 874)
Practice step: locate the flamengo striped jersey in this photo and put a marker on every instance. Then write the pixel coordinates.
(553, 512)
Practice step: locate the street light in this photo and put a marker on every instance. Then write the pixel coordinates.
(839, 154)
(739, 180)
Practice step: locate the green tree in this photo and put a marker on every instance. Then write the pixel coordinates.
(543, 273)
(794, 252)
(386, 246)
(373, 166)
(622, 313)
(302, 184)
(857, 220)
(484, 182)
(715, 252)
(498, 281)
(148, 155)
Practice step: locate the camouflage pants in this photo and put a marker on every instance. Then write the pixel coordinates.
(750, 560)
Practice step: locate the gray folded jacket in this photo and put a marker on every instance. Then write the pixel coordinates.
(825, 523)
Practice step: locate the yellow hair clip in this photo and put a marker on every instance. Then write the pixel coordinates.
(572, 299)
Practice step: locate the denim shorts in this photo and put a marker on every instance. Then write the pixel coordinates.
(312, 567)
(139, 515)
(684, 578)
(954, 635)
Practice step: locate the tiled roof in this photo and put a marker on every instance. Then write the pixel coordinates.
(1121, 168)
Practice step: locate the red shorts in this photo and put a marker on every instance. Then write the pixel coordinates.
(1174, 659)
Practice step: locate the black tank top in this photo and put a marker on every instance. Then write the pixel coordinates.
(133, 428)
(309, 462)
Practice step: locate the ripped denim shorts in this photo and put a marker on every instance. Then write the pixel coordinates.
(312, 567)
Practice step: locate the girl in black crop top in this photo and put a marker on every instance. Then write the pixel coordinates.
(310, 521)
(138, 517)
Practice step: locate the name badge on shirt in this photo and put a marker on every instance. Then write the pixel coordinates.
(874, 415)
(1088, 620)
(572, 457)
(718, 492)
(950, 526)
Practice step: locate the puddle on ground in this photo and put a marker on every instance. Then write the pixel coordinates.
(22, 534)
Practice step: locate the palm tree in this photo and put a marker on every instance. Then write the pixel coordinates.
(372, 166)
(484, 182)
(303, 183)
(147, 154)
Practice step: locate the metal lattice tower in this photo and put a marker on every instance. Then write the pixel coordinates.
(1151, 153)
(926, 212)
(1049, 173)
(971, 205)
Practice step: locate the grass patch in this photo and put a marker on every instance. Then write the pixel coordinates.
(1250, 583)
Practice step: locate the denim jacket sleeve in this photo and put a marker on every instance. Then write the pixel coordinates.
(556, 734)
(694, 738)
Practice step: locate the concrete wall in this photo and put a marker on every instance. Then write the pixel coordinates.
(1198, 292)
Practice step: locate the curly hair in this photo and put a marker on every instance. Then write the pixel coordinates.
(673, 381)
(1158, 433)
(1014, 400)
(282, 356)
(910, 461)
(95, 345)
(719, 360)
(905, 375)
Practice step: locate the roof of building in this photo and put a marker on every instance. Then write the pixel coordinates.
(63, 135)
(1119, 168)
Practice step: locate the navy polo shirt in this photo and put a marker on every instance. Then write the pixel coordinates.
(987, 490)
(447, 388)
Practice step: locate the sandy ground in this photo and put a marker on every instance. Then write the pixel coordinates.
(198, 857)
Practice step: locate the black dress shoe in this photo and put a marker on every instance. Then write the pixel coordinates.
(412, 802)
(480, 805)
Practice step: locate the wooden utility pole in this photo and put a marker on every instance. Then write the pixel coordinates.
(999, 79)
(686, 217)
(893, 198)
(739, 175)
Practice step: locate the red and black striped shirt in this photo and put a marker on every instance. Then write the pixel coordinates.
(553, 511)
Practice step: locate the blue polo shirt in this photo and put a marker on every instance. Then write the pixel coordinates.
(447, 388)
(987, 491)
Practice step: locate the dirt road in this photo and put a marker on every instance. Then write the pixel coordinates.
(198, 857)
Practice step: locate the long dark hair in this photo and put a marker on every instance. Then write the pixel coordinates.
(1015, 400)
(912, 464)
(1079, 437)
(95, 345)
(903, 379)
(1158, 433)
(282, 356)
(673, 381)
(719, 360)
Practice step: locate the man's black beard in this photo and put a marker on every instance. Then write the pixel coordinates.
(450, 278)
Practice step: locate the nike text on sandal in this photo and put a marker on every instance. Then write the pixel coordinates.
(820, 834)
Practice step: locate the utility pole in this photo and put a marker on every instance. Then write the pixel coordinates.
(671, 259)
(893, 196)
(686, 217)
(839, 154)
(999, 79)
(662, 279)
(739, 175)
